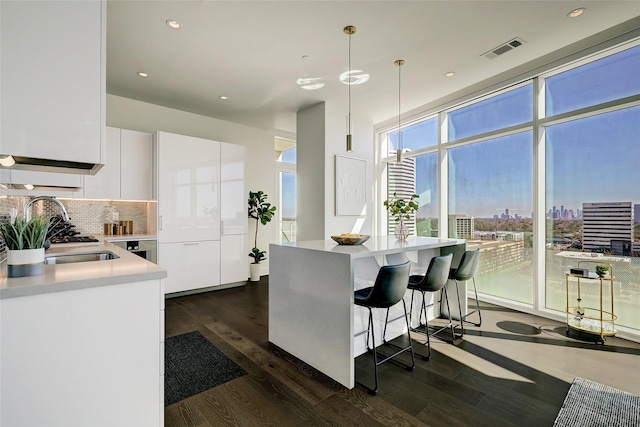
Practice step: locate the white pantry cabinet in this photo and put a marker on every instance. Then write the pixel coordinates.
(128, 173)
(233, 206)
(202, 213)
(190, 265)
(188, 188)
(52, 76)
(86, 357)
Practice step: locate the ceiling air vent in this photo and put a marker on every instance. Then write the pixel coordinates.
(503, 48)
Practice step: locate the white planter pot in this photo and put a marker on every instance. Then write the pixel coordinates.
(254, 272)
(25, 262)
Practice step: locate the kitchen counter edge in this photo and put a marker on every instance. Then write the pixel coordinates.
(67, 277)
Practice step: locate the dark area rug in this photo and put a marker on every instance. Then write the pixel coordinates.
(192, 365)
(593, 404)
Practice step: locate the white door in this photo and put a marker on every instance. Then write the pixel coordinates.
(188, 188)
(105, 184)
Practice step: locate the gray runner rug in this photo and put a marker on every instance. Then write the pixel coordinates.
(590, 404)
(192, 364)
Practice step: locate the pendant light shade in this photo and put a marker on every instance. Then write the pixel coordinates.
(399, 63)
(349, 30)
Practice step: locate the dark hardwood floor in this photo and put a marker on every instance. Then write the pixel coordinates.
(514, 370)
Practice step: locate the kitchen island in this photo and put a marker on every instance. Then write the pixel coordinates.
(83, 344)
(311, 286)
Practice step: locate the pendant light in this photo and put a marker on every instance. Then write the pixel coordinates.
(399, 63)
(349, 30)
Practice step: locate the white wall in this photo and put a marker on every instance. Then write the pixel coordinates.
(321, 134)
(363, 148)
(141, 116)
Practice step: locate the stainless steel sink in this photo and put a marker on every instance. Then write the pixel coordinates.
(67, 258)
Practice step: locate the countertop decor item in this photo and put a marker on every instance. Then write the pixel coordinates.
(262, 212)
(25, 241)
(402, 209)
(351, 239)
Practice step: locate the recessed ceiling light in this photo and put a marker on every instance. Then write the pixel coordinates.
(142, 74)
(449, 74)
(223, 97)
(576, 12)
(173, 23)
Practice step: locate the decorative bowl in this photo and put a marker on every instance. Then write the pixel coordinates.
(351, 240)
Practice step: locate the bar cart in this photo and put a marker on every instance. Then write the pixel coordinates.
(594, 322)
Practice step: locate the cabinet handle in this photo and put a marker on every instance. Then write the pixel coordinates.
(160, 222)
(221, 227)
(191, 244)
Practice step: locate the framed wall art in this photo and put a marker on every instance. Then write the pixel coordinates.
(351, 189)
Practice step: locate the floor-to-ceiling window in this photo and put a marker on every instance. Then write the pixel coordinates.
(569, 139)
(490, 188)
(592, 163)
(417, 173)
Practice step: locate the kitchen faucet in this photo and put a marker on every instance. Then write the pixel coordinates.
(57, 202)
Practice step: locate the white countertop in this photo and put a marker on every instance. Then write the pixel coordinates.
(376, 245)
(65, 277)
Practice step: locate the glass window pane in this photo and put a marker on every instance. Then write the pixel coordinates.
(419, 135)
(593, 208)
(427, 189)
(491, 204)
(288, 206)
(289, 156)
(503, 110)
(609, 78)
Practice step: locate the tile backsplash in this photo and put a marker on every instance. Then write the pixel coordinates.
(89, 216)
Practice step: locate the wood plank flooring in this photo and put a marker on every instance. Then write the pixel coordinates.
(514, 370)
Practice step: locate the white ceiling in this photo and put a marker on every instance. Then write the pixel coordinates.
(251, 51)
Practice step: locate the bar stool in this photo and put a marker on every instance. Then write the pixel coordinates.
(434, 280)
(467, 271)
(388, 289)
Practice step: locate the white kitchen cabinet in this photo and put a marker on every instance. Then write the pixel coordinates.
(233, 208)
(136, 165)
(52, 76)
(106, 183)
(190, 265)
(233, 258)
(87, 357)
(44, 183)
(128, 173)
(233, 199)
(188, 181)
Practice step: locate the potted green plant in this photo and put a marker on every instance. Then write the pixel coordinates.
(602, 269)
(25, 240)
(402, 209)
(262, 212)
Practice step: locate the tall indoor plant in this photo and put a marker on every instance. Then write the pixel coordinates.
(25, 245)
(262, 212)
(402, 209)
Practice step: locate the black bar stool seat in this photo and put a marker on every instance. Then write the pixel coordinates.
(467, 270)
(434, 280)
(388, 290)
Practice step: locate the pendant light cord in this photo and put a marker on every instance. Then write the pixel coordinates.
(349, 87)
(399, 63)
(350, 30)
